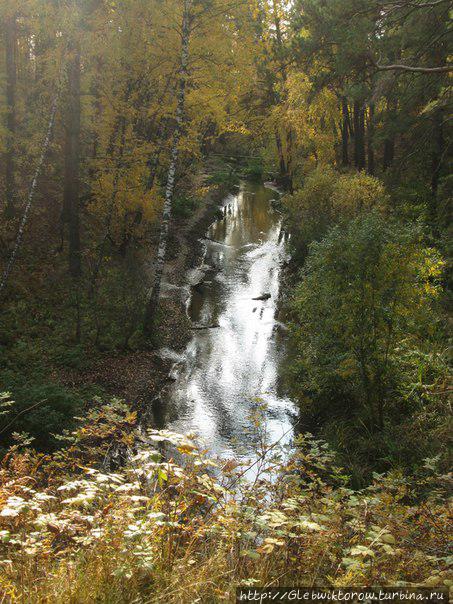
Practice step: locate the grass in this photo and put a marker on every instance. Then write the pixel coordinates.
(174, 525)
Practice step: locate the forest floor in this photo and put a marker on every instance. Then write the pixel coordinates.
(140, 376)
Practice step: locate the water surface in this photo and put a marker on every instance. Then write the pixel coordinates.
(228, 371)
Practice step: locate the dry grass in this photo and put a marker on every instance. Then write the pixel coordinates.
(158, 530)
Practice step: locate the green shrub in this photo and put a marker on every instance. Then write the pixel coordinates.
(366, 289)
(192, 531)
(254, 167)
(310, 208)
(356, 193)
(74, 357)
(184, 206)
(328, 198)
(114, 320)
(40, 410)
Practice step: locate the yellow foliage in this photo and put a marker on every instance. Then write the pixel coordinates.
(354, 193)
(311, 118)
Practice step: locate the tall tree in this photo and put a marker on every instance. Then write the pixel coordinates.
(71, 194)
(10, 33)
(345, 127)
(389, 141)
(359, 135)
(153, 299)
(71, 199)
(31, 194)
(370, 138)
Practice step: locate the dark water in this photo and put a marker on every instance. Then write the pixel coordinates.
(230, 370)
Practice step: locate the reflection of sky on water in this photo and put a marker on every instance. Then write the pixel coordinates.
(229, 367)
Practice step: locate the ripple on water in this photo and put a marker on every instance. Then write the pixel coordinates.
(229, 373)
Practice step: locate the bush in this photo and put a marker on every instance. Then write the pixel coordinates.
(74, 357)
(40, 410)
(193, 530)
(115, 318)
(310, 208)
(254, 167)
(328, 198)
(356, 193)
(366, 289)
(184, 206)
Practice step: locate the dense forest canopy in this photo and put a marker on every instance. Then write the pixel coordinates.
(122, 124)
(361, 84)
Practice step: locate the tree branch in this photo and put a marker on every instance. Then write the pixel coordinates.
(416, 4)
(443, 69)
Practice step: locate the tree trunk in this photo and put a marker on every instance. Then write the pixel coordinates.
(44, 150)
(109, 217)
(11, 86)
(153, 161)
(278, 30)
(345, 132)
(389, 142)
(71, 195)
(370, 141)
(439, 58)
(285, 165)
(159, 137)
(389, 153)
(289, 167)
(153, 299)
(359, 136)
(281, 157)
(136, 217)
(71, 202)
(436, 163)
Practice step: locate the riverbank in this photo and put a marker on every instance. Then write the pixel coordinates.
(141, 376)
(381, 405)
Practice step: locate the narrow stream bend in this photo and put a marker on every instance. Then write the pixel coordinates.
(231, 369)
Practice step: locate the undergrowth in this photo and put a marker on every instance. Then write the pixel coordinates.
(173, 524)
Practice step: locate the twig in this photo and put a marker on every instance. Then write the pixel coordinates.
(21, 413)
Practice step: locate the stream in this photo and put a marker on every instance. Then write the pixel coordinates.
(231, 370)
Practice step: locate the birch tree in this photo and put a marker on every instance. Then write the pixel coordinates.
(153, 298)
(10, 33)
(31, 195)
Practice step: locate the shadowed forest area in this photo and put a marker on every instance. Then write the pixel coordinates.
(315, 136)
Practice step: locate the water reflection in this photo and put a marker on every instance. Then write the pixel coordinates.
(229, 368)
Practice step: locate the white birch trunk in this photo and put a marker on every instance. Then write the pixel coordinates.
(153, 299)
(31, 194)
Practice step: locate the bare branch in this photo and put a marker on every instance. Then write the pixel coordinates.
(443, 69)
(416, 4)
